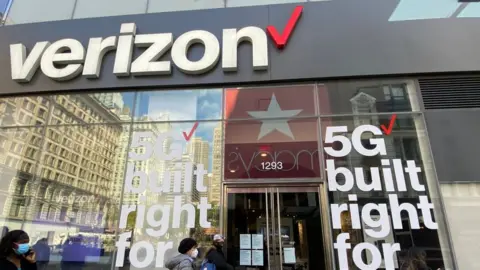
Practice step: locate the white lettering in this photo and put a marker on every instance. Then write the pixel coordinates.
(69, 54)
(341, 245)
(179, 208)
(162, 247)
(336, 211)
(204, 206)
(330, 138)
(358, 258)
(413, 171)
(159, 218)
(397, 208)
(162, 223)
(209, 58)
(97, 48)
(374, 217)
(357, 136)
(143, 261)
(200, 172)
(121, 245)
(232, 38)
(124, 212)
(332, 173)
(383, 222)
(23, 67)
(146, 63)
(425, 207)
(123, 58)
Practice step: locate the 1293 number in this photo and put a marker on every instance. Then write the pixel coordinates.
(267, 166)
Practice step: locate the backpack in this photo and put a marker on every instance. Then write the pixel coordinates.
(206, 265)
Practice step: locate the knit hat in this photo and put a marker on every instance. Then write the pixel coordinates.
(218, 237)
(186, 244)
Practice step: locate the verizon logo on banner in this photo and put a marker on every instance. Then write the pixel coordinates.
(68, 58)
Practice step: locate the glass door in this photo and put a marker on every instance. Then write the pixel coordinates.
(274, 228)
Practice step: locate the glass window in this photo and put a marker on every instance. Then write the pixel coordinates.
(165, 5)
(280, 148)
(74, 205)
(18, 177)
(391, 195)
(269, 102)
(143, 170)
(22, 111)
(103, 8)
(172, 190)
(179, 105)
(367, 97)
(242, 3)
(29, 11)
(92, 108)
(410, 10)
(3, 8)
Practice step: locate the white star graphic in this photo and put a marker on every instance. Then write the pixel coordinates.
(274, 111)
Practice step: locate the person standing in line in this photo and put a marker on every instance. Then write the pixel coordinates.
(215, 254)
(186, 259)
(42, 252)
(416, 260)
(74, 254)
(16, 253)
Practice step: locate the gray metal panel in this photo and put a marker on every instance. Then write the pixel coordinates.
(454, 140)
(355, 38)
(333, 39)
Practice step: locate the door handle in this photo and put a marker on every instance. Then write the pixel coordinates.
(280, 244)
(267, 232)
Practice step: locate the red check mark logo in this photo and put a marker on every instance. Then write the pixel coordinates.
(388, 130)
(187, 137)
(281, 40)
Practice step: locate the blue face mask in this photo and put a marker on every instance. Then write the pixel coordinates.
(22, 249)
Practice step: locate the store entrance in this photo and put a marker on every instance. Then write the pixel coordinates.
(274, 228)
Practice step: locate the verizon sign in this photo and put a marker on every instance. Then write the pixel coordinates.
(66, 59)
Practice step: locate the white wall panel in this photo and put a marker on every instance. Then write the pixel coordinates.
(169, 5)
(243, 3)
(29, 11)
(102, 8)
(462, 207)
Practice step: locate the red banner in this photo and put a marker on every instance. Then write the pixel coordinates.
(271, 141)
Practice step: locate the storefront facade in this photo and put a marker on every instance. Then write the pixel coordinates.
(316, 135)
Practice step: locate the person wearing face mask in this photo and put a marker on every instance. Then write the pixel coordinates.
(185, 260)
(215, 254)
(16, 253)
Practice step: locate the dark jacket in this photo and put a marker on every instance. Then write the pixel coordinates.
(74, 253)
(217, 257)
(8, 265)
(42, 252)
(414, 266)
(180, 262)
